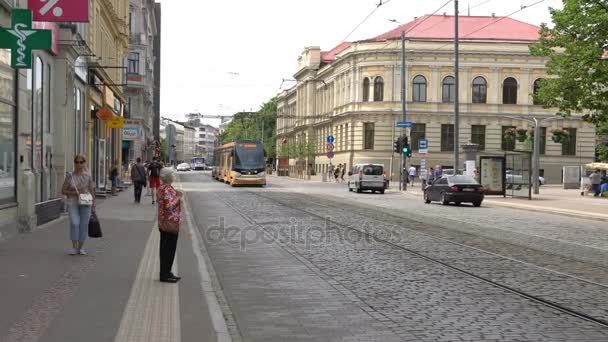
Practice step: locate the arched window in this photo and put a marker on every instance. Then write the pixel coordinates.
(365, 89)
(535, 90)
(448, 89)
(378, 89)
(509, 91)
(480, 90)
(419, 89)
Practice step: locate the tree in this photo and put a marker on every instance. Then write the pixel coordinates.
(574, 48)
(164, 155)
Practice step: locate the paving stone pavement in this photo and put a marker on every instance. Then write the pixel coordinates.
(400, 292)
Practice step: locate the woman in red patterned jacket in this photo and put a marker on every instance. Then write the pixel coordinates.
(169, 220)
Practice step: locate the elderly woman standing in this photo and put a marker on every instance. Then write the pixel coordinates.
(76, 183)
(169, 220)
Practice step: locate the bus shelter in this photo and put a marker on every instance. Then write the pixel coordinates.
(506, 174)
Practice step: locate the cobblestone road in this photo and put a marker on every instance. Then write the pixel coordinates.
(317, 270)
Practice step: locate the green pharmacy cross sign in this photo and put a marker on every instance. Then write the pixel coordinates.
(22, 39)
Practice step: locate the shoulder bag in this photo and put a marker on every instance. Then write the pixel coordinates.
(83, 199)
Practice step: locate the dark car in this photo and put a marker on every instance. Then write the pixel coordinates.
(456, 189)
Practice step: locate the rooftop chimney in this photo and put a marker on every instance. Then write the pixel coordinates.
(493, 15)
(445, 14)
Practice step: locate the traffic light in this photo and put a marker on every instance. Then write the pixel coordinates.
(405, 147)
(397, 145)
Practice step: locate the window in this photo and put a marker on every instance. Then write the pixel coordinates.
(569, 147)
(448, 88)
(509, 91)
(508, 138)
(378, 89)
(447, 138)
(38, 112)
(536, 88)
(478, 136)
(543, 139)
(368, 136)
(419, 89)
(7, 131)
(47, 123)
(133, 63)
(480, 90)
(365, 89)
(417, 133)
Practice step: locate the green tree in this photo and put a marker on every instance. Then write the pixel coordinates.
(164, 155)
(574, 47)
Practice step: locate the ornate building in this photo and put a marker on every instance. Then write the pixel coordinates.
(353, 93)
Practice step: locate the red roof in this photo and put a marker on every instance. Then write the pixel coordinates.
(330, 56)
(470, 28)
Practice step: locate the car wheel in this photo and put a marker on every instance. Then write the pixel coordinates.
(457, 203)
(477, 204)
(359, 189)
(381, 191)
(443, 200)
(427, 199)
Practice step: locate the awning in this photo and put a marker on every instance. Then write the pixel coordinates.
(601, 166)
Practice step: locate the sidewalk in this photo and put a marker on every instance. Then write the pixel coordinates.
(552, 199)
(112, 294)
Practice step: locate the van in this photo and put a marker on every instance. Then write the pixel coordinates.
(367, 177)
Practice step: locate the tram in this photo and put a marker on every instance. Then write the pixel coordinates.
(240, 163)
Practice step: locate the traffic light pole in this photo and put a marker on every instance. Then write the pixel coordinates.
(403, 177)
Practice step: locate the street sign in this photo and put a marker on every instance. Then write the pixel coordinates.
(105, 114)
(116, 122)
(330, 154)
(404, 124)
(21, 39)
(330, 139)
(423, 146)
(60, 10)
(330, 147)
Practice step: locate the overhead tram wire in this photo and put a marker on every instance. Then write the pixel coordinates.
(365, 19)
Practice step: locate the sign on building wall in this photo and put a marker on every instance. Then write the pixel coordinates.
(60, 10)
(21, 39)
(130, 133)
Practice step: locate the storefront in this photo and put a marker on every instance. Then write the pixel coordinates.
(8, 191)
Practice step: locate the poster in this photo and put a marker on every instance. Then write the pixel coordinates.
(492, 175)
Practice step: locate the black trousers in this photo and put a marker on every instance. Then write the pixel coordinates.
(137, 187)
(168, 244)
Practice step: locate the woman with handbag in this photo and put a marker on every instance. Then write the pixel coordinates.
(169, 220)
(80, 191)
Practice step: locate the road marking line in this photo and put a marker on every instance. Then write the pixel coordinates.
(152, 312)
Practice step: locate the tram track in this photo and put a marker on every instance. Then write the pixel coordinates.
(429, 258)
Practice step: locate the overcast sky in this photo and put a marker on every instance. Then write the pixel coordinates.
(224, 56)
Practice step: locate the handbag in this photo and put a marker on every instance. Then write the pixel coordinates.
(83, 199)
(94, 227)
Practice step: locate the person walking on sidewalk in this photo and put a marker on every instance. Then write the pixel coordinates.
(412, 174)
(343, 173)
(138, 177)
(76, 183)
(154, 176)
(169, 220)
(595, 180)
(114, 177)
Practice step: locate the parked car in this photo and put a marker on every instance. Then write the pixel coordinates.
(183, 167)
(367, 177)
(456, 189)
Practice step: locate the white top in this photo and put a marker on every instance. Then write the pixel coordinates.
(412, 171)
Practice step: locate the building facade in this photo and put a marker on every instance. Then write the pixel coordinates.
(353, 92)
(141, 83)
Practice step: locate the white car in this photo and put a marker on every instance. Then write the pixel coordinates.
(183, 167)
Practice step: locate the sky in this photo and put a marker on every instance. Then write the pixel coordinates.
(224, 56)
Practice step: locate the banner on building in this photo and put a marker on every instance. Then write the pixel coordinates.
(130, 133)
(60, 10)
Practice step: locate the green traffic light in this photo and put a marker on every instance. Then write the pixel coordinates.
(406, 150)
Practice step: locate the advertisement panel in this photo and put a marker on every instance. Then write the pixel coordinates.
(130, 133)
(492, 175)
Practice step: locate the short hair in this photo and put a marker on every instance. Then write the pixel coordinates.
(138, 160)
(167, 175)
(80, 157)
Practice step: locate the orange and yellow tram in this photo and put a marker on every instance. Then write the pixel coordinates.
(240, 163)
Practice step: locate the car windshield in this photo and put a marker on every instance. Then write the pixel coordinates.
(462, 180)
(372, 170)
(249, 156)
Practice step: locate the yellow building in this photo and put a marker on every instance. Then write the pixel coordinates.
(353, 92)
(109, 42)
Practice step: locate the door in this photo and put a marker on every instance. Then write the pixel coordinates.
(101, 168)
(438, 187)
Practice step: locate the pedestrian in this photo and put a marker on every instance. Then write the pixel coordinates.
(138, 177)
(343, 173)
(595, 180)
(337, 172)
(114, 177)
(169, 220)
(476, 176)
(330, 172)
(79, 189)
(154, 177)
(412, 173)
(438, 172)
(431, 176)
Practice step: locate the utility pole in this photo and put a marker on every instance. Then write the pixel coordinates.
(456, 80)
(403, 108)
